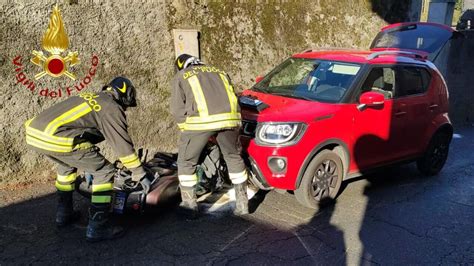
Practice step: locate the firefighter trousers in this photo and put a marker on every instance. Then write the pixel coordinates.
(91, 161)
(191, 145)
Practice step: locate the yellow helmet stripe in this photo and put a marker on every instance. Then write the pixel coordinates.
(123, 89)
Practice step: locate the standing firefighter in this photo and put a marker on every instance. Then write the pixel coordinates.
(66, 134)
(204, 104)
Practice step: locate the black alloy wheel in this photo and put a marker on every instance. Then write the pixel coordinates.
(435, 155)
(322, 180)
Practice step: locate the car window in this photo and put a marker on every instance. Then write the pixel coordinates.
(428, 38)
(292, 74)
(310, 79)
(382, 80)
(412, 80)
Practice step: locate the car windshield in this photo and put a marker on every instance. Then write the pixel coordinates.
(309, 79)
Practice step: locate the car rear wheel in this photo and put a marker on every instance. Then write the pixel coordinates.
(435, 155)
(321, 181)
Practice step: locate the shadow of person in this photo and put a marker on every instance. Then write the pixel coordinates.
(322, 240)
(404, 220)
(256, 200)
(385, 231)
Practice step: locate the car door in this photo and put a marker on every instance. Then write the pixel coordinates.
(412, 105)
(378, 133)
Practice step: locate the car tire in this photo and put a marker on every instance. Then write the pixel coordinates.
(321, 181)
(435, 155)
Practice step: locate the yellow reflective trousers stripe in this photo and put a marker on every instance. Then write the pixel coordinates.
(130, 161)
(188, 180)
(69, 116)
(101, 199)
(66, 188)
(66, 182)
(67, 178)
(198, 96)
(102, 187)
(238, 178)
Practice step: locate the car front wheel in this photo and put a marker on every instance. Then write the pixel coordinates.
(321, 180)
(435, 155)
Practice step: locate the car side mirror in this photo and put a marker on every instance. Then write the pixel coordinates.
(371, 100)
(258, 79)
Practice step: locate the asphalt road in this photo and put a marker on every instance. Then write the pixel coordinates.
(391, 217)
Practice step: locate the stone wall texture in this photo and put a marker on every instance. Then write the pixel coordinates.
(134, 39)
(456, 64)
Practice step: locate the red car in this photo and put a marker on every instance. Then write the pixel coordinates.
(321, 117)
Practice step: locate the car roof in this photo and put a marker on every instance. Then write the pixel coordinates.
(376, 56)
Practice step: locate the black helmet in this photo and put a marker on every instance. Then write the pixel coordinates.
(185, 60)
(123, 91)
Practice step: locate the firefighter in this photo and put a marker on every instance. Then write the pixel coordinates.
(67, 132)
(204, 104)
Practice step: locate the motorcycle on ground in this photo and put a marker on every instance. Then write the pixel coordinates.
(129, 197)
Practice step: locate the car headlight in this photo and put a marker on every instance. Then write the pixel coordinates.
(279, 133)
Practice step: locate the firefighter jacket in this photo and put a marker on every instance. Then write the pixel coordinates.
(80, 122)
(203, 99)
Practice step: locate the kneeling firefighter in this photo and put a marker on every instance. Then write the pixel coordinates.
(204, 104)
(66, 134)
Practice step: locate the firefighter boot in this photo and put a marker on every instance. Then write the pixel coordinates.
(241, 200)
(188, 207)
(99, 227)
(65, 213)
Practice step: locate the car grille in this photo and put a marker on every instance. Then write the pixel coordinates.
(248, 128)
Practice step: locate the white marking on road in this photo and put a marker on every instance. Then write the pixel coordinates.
(235, 238)
(307, 248)
(230, 243)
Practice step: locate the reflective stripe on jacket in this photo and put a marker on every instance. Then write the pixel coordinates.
(203, 99)
(79, 122)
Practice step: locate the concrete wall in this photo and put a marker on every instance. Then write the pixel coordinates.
(467, 4)
(246, 38)
(456, 63)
